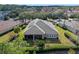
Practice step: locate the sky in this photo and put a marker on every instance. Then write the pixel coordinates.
(40, 2)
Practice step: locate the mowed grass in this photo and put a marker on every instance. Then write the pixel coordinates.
(58, 46)
(7, 37)
(72, 35)
(64, 40)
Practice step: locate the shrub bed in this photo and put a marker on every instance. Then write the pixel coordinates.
(72, 36)
(56, 47)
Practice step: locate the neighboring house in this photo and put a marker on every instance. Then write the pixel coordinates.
(8, 25)
(26, 21)
(61, 22)
(41, 29)
(72, 26)
(56, 21)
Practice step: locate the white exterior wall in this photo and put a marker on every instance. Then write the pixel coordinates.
(51, 36)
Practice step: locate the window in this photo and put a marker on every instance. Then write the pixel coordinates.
(52, 35)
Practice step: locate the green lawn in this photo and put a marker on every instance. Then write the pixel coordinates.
(58, 46)
(64, 40)
(6, 37)
(71, 35)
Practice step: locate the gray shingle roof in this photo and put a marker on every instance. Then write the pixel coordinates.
(73, 24)
(46, 27)
(34, 30)
(8, 25)
(40, 27)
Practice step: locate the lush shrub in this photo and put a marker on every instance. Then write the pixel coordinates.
(15, 47)
(58, 46)
(24, 26)
(17, 29)
(40, 44)
(71, 51)
(71, 35)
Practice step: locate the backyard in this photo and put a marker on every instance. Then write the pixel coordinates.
(64, 40)
(7, 37)
(65, 43)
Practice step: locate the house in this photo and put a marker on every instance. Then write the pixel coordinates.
(72, 26)
(56, 21)
(61, 23)
(41, 29)
(5, 26)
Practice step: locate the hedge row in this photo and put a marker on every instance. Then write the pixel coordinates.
(56, 47)
(71, 35)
